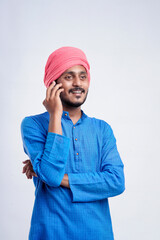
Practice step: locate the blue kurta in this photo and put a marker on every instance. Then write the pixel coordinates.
(87, 152)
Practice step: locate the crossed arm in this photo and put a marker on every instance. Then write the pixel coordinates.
(28, 170)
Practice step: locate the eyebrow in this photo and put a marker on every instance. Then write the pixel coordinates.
(71, 72)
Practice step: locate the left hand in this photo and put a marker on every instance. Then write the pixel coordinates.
(28, 169)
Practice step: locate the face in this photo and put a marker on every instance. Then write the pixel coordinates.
(75, 83)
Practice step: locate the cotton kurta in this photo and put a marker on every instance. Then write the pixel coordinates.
(87, 152)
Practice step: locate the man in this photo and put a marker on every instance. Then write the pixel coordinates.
(75, 163)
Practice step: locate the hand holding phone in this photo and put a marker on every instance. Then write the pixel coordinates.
(52, 102)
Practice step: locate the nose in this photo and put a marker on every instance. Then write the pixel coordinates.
(77, 81)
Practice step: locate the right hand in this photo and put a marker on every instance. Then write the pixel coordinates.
(28, 169)
(52, 102)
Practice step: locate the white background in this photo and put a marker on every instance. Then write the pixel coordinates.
(122, 42)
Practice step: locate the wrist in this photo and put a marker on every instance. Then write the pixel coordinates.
(55, 124)
(55, 116)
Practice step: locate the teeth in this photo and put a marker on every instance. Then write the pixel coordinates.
(76, 91)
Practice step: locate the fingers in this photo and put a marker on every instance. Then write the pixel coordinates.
(30, 174)
(34, 174)
(26, 167)
(55, 89)
(49, 89)
(26, 161)
(59, 91)
(27, 170)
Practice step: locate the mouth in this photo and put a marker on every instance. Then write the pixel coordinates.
(76, 92)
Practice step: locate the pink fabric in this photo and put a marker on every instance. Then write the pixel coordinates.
(62, 59)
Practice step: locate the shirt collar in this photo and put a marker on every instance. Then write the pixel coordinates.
(65, 115)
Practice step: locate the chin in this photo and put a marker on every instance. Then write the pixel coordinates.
(72, 103)
(77, 102)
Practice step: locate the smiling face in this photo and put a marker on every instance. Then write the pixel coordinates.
(75, 83)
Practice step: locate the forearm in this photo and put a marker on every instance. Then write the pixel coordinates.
(55, 124)
(48, 154)
(94, 186)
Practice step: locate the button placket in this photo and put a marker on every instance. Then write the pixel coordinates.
(76, 147)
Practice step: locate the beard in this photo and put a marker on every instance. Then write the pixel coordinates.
(66, 102)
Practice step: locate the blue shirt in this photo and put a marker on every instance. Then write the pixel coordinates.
(87, 152)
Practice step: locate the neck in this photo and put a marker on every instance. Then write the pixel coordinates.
(73, 112)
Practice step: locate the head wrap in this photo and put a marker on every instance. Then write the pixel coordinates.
(61, 60)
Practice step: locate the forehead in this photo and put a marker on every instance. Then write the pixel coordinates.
(76, 69)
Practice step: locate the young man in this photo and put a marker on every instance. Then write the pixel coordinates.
(75, 163)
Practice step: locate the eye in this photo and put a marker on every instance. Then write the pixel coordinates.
(68, 77)
(83, 76)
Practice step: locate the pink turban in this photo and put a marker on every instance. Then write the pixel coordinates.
(61, 60)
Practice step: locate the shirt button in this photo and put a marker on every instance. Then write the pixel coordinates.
(73, 127)
(76, 139)
(65, 114)
(77, 153)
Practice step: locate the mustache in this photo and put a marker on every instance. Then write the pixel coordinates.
(77, 89)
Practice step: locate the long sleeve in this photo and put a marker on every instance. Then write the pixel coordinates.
(109, 182)
(48, 154)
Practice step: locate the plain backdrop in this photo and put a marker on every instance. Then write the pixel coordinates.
(122, 42)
